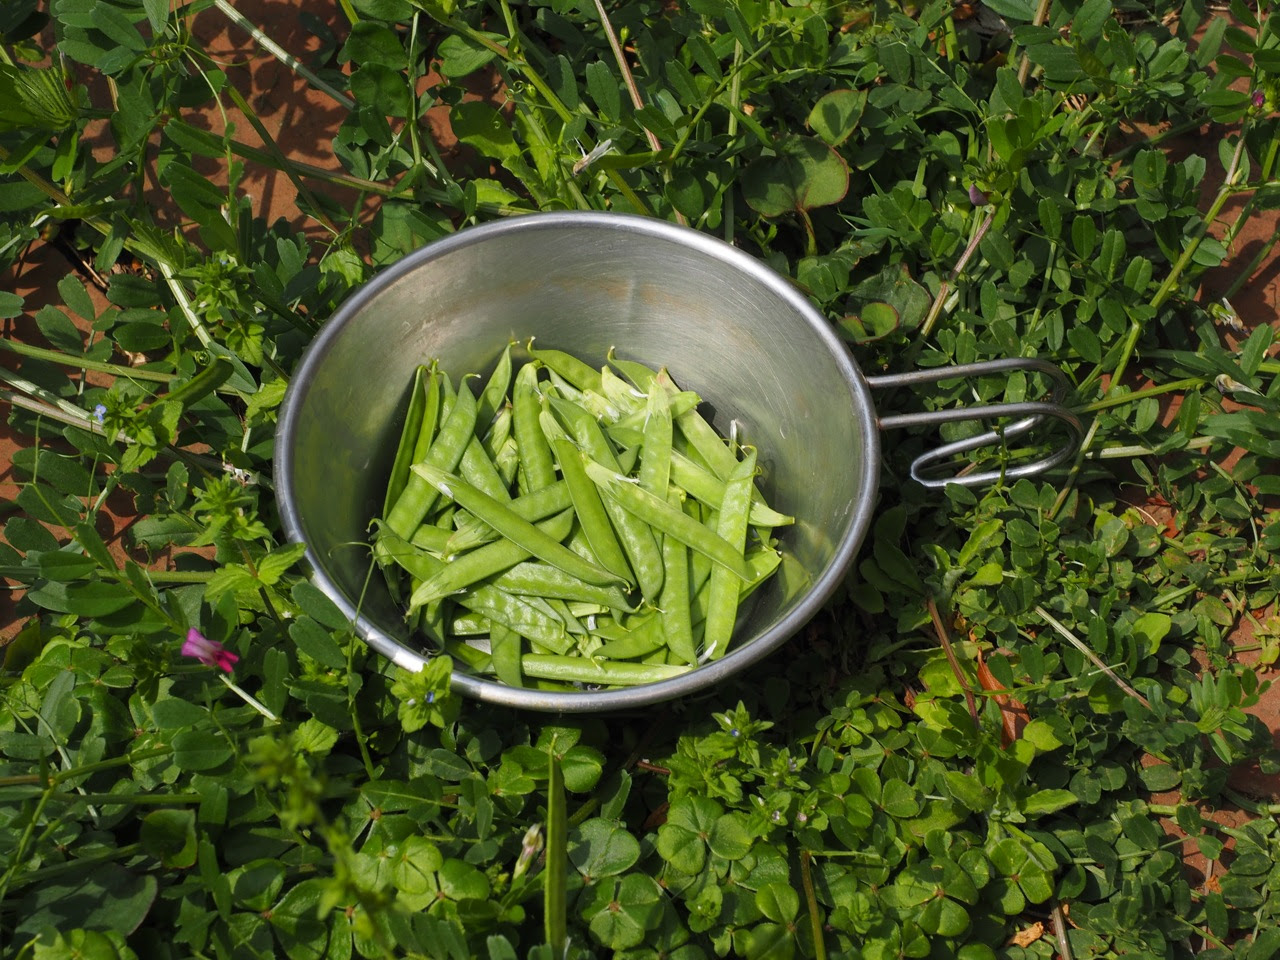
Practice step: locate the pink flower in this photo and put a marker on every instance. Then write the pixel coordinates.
(209, 652)
(1259, 98)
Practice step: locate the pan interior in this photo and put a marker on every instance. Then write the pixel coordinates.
(763, 361)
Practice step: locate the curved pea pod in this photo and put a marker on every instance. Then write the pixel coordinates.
(537, 467)
(419, 422)
(639, 374)
(663, 517)
(494, 395)
(602, 672)
(471, 531)
(638, 543)
(677, 618)
(513, 527)
(485, 562)
(514, 614)
(478, 470)
(445, 453)
(724, 587)
(706, 487)
(596, 528)
(504, 649)
(582, 376)
(530, 578)
(638, 640)
(700, 435)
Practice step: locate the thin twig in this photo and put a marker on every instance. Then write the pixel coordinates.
(1041, 15)
(963, 262)
(1090, 655)
(1060, 931)
(627, 78)
(277, 51)
(945, 639)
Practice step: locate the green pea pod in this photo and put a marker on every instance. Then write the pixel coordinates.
(640, 375)
(537, 467)
(479, 471)
(579, 374)
(543, 580)
(484, 562)
(515, 614)
(640, 639)
(724, 588)
(469, 624)
(603, 672)
(472, 531)
(494, 395)
(513, 526)
(677, 622)
(703, 485)
(680, 402)
(504, 648)
(433, 539)
(424, 383)
(418, 497)
(661, 516)
(642, 552)
(655, 454)
(596, 527)
(495, 438)
(700, 434)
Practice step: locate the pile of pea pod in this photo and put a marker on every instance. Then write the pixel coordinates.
(571, 526)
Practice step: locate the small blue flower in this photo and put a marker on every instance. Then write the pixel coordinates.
(99, 412)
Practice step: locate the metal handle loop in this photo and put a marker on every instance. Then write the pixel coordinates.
(1034, 411)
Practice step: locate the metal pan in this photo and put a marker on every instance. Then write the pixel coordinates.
(725, 325)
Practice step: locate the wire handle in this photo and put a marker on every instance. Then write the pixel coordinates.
(1032, 413)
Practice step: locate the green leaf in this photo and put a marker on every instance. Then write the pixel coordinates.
(461, 55)
(1020, 10)
(622, 911)
(317, 643)
(1047, 801)
(196, 751)
(778, 901)
(106, 897)
(479, 125)
(92, 598)
(836, 115)
(804, 173)
(170, 836)
(602, 86)
(602, 848)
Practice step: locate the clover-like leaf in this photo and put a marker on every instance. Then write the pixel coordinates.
(803, 173)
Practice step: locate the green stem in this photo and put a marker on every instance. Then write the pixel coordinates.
(251, 115)
(83, 363)
(248, 698)
(815, 918)
(129, 799)
(1114, 401)
(273, 48)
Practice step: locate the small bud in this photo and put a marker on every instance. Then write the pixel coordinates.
(1259, 99)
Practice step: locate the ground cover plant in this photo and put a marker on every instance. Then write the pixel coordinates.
(1001, 738)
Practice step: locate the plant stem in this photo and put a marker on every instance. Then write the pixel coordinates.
(945, 639)
(277, 51)
(248, 698)
(815, 918)
(963, 262)
(83, 363)
(1092, 657)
